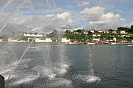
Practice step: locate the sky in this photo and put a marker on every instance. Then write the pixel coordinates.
(48, 15)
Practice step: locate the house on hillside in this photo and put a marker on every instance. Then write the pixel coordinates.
(100, 31)
(105, 31)
(114, 31)
(92, 31)
(123, 32)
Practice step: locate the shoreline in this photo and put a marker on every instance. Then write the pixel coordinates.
(90, 43)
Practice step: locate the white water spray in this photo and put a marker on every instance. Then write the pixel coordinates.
(6, 5)
(4, 23)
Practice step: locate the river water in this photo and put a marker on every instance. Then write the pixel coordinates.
(67, 66)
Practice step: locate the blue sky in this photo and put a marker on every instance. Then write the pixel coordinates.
(65, 14)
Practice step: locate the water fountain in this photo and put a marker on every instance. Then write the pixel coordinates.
(19, 72)
(88, 77)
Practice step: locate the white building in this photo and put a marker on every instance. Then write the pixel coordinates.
(114, 39)
(114, 31)
(1, 40)
(96, 39)
(65, 40)
(105, 31)
(12, 40)
(94, 35)
(46, 40)
(92, 30)
(98, 35)
(100, 31)
(123, 32)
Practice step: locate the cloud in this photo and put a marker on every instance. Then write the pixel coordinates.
(63, 16)
(60, 16)
(99, 20)
(47, 23)
(93, 13)
(84, 4)
(18, 21)
(60, 21)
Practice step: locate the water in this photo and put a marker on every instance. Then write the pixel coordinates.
(67, 66)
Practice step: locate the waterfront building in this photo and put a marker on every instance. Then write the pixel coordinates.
(65, 40)
(41, 40)
(1, 40)
(12, 40)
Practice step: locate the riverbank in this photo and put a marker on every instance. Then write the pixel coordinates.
(70, 43)
(96, 43)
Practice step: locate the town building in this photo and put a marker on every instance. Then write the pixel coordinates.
(41, 40)
(122, 32)
(105, 31)
(1, 40)
(92, 31)
(12, 40)
(65, 40)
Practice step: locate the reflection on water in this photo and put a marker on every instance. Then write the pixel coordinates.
(68, 66)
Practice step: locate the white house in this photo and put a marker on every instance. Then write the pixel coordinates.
(114, 31)
(100, 31)
(1, 40)
(105, 31)
(65, 40)
(123, 32)
(92, 30)
(94, 35)
(96, 39)
(46, 40)
(12, 40)
(39, 40)
(98, 35)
